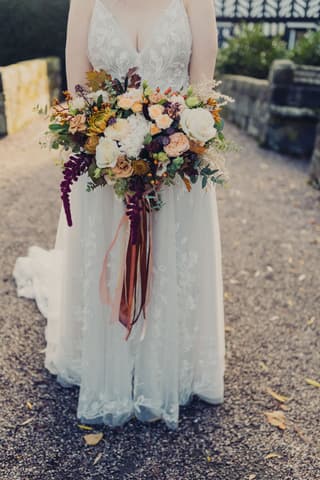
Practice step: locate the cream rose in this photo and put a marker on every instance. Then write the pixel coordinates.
(107, 153)
(198, 124)
(95, 95)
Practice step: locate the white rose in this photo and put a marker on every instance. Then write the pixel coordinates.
(78, 103)
(118, 130)
(198, 124)
(107, 153)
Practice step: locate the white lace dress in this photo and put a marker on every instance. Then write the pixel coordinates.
(182, 353)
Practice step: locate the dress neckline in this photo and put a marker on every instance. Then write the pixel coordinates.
(124, 32)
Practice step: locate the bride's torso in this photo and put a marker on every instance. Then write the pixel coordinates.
(164, 58)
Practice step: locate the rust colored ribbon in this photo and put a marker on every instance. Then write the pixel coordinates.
(135, 268)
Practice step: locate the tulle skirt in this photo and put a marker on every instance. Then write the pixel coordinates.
(182, 352)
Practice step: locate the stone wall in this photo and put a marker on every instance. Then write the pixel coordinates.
(281, 112)
(23, 86)
(315, 161)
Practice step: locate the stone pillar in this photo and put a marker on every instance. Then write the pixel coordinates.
(315, 161)
(3, 121)
(294, 108)
(54, 76)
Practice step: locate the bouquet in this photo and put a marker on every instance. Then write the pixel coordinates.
(138, 141)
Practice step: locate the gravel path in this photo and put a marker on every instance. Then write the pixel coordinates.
(270, 224)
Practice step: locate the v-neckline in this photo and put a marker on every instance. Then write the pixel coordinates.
(124, 32)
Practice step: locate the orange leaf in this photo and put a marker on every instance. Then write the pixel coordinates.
(93, 439)
(187, 183)
(277, 419)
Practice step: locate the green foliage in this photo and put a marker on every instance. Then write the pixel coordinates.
(307, 49)
(250, 53)
(32, 29)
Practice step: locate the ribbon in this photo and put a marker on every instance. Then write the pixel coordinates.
(134, 273)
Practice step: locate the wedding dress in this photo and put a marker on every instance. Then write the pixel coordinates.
(182, 353)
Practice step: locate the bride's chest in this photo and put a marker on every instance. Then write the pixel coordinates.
(165, 51)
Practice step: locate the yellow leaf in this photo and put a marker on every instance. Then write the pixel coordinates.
(277, 419)
(209, 459)
(93, 439)
(85, 427)
(263, 366)
(228, 329)
(276, 396)
(97, 459)
(272, 455)
(314, 383)
(311, 321)
(29, 405)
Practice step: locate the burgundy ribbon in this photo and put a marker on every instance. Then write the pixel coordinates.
(135, 267)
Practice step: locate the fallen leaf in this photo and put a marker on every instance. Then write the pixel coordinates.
(301, 278)
(97, 459)
(26, 422)
(29, 405)
(311, 321)
(85, 427)
(263, 366)
(276, 396)
(234, 281)
(228, 329)
(314, 383)
(253, 476)
(209, 459)
(284, 407)
(300, 433)
(42, 351)
(93, 439)
(272, 455)
(277, 419)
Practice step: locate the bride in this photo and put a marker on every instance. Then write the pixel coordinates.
(172, 42)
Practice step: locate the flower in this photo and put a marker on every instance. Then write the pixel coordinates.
(198, 124)
(98, 121)
(179, 144)
(137, 107)
(164, 121)
(118, 130)
(131, 144)
(180, 100)
(107, 153)
(155, 111)
(131, 97)
(123, 168)
(91, 144)
(140, 167)
(95, 95)
(78, 103)
(78, 124)
(156, 97)
(154, 130)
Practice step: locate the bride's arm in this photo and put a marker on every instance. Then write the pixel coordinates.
(202, 19)
(77, 62)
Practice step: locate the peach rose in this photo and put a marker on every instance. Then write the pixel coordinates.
(137, 107)
(123, 168)
(78, 123)
(163, 121)
(155, 111)
(156, 97)
(179, 144)
(128, 99)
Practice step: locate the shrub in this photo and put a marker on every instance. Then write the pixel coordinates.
(250, 53)
(307, 49)
(31, 29)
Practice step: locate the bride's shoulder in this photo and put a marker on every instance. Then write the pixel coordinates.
(199, 8)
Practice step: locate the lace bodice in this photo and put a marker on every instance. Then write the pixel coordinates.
(163, 61)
